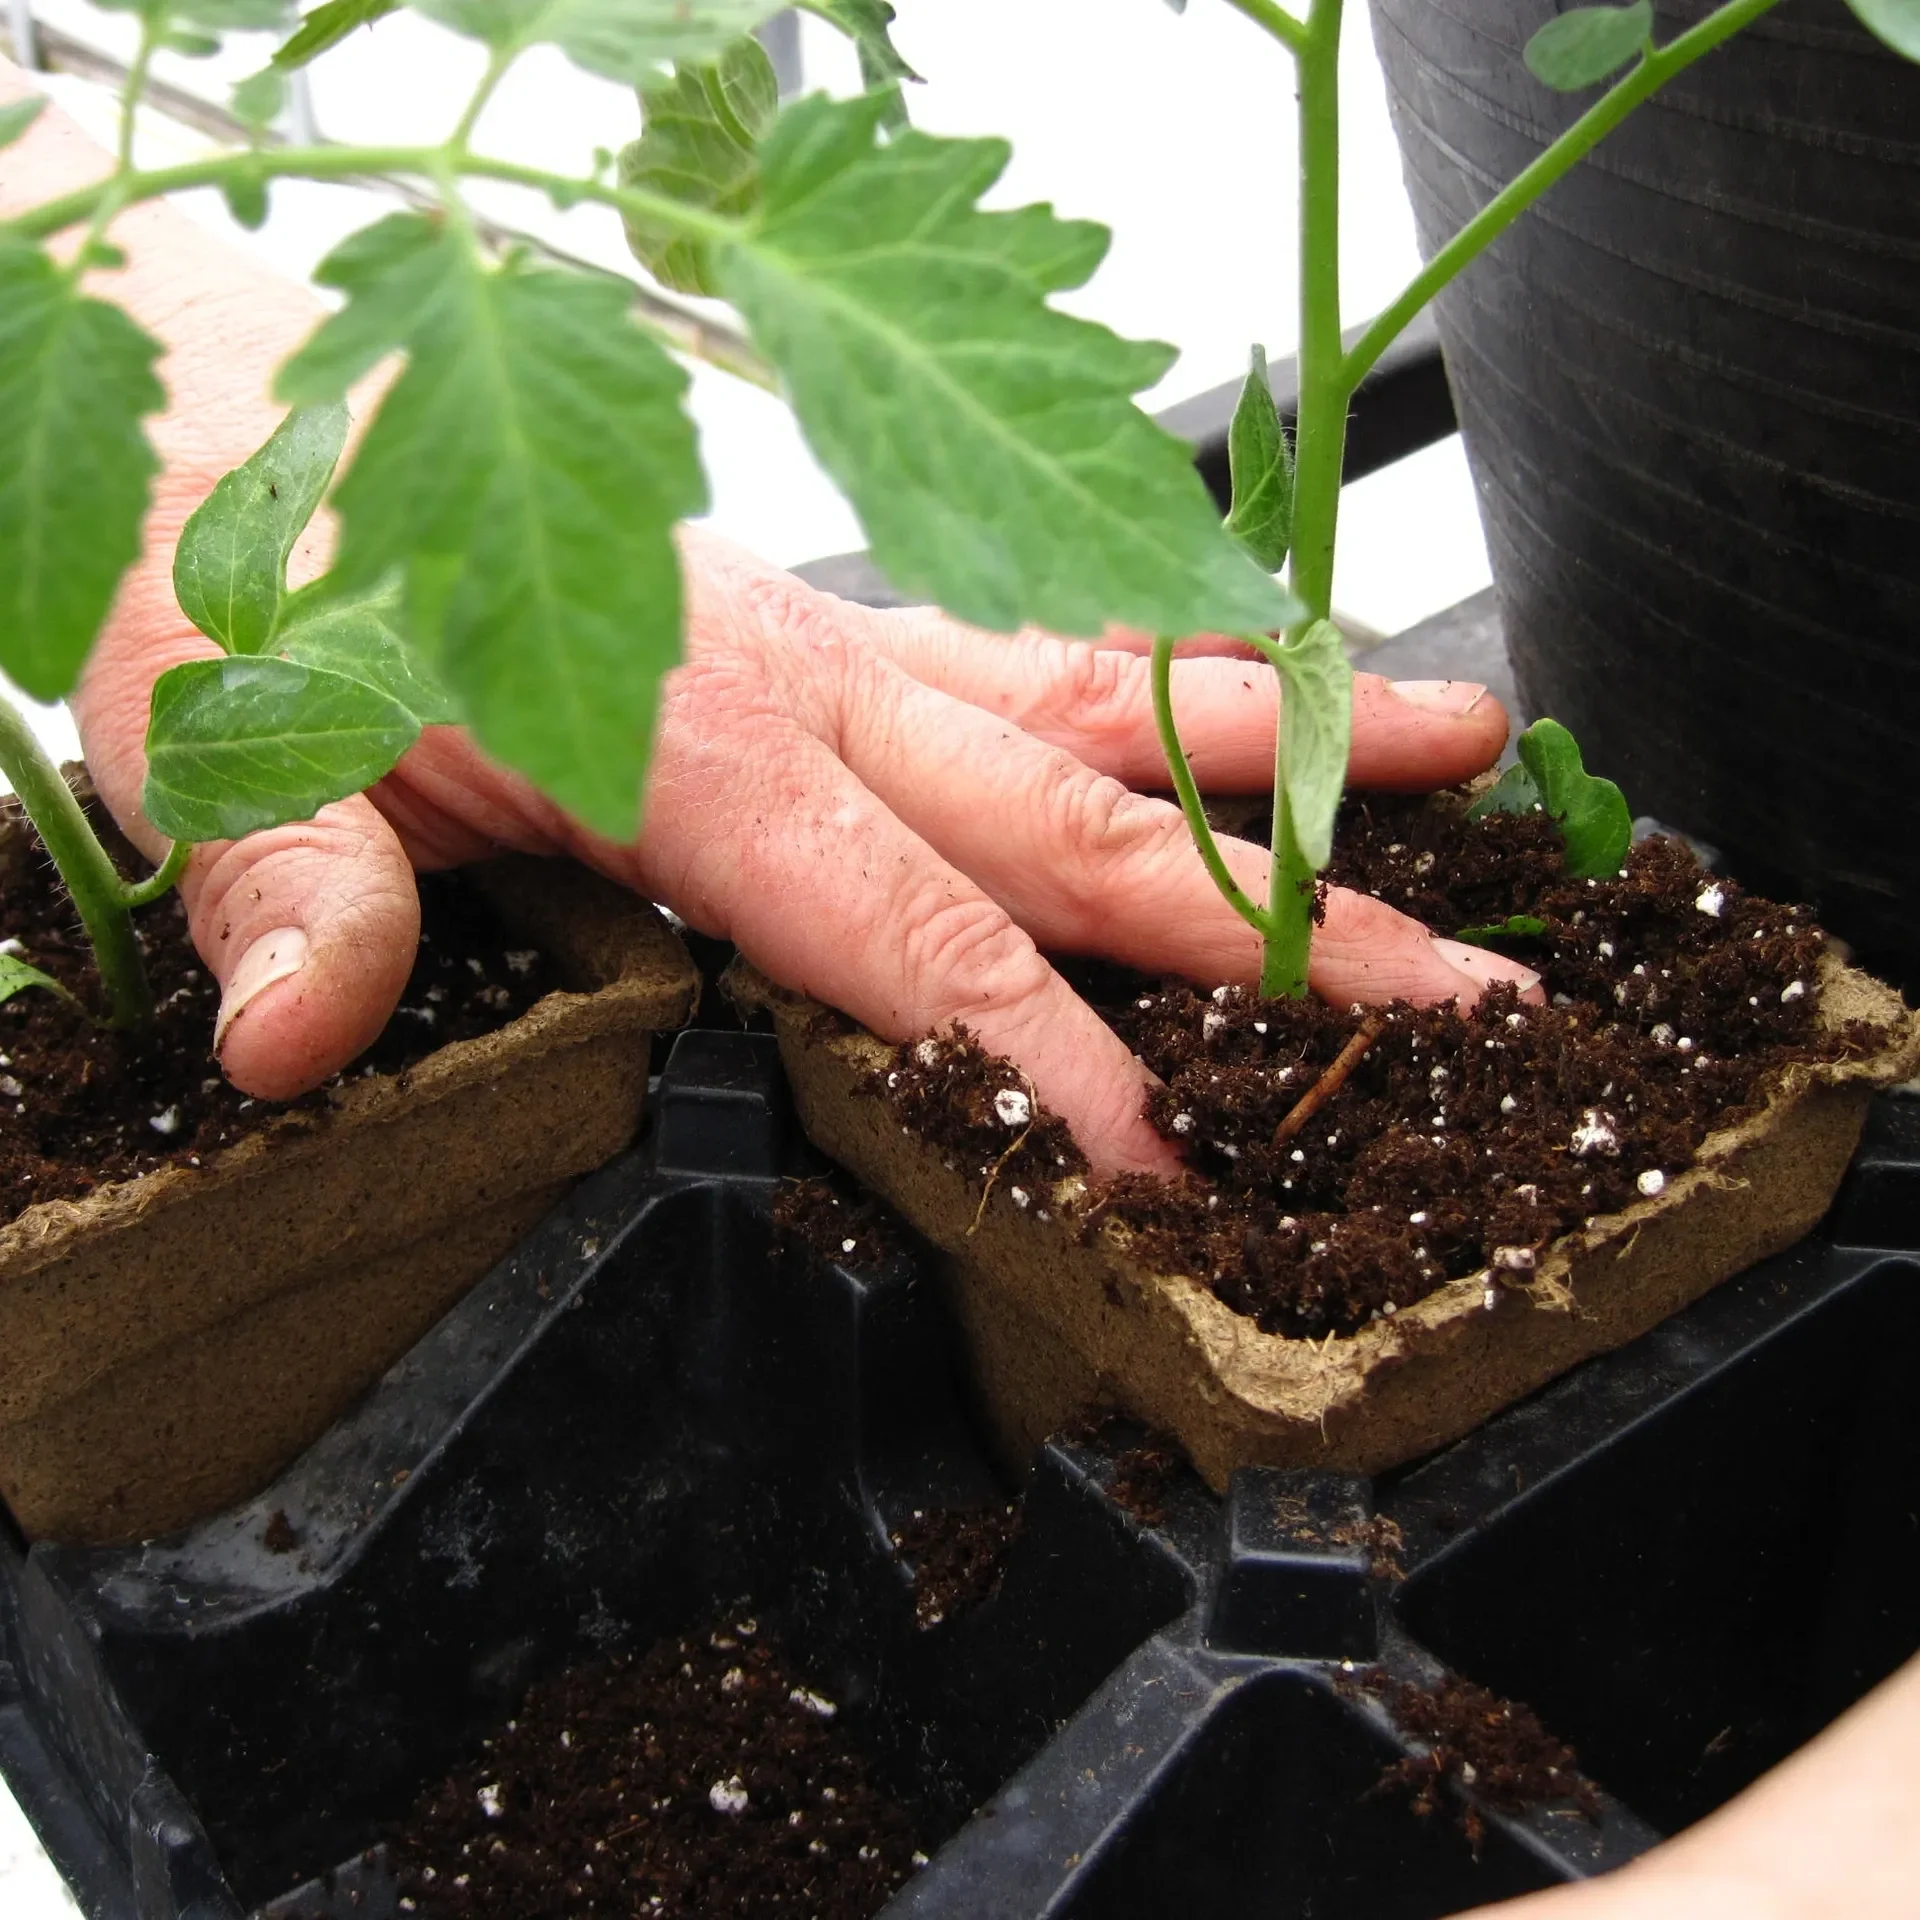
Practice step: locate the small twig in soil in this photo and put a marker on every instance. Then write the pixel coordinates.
(1330, 1082)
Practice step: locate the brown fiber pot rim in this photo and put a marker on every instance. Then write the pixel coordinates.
(641, 981)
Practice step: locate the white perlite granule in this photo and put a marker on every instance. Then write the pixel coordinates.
(1711, 900)
(1013, 1107)
(1651, 1182)
(1594, 1134)
(728, 1796)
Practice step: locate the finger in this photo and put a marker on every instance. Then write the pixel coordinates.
(771, 842)
(1097, 702)
(1086, 865)
(310, 929)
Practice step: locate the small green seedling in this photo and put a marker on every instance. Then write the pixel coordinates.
(1516, 926)
(1591, 813)
(506, 556)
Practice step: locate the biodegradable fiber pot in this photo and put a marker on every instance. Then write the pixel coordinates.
(1690, 387)
(1059, 1321)
(168, 1343)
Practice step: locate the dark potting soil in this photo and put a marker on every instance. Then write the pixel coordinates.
(1496, 1748)
(81, 1106)
(699, 1779)
(833, 1218)
(1456, 1143)
(958, 1555)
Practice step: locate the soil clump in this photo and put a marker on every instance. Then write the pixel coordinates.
(82, 1106)
(958, 1556)
(831, 1217)
(702, 1778)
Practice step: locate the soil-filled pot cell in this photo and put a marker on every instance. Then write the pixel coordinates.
(1482, 1199)
(168, 1341)
(1687, 382)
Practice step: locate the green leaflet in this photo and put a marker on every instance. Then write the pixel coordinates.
(16, 975)
(217, 16)
(1897, 22)
(1516, 926)
(360, 635)
(1316, 731)
(258, 98)
(626, 40)
(700, 130)
(76, 377)
(1582, 47)
(326, 26)
(523, 478)
(1591, 813)
(248, 742)
(1261, 463)
(868, 24)
(230, 568)
(990, 444)
(16, 119)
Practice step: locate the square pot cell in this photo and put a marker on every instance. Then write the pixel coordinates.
(1690, 1602)
(1270, 1808)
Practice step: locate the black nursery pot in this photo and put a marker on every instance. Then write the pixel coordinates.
(1690, 386)
(1689, 1555)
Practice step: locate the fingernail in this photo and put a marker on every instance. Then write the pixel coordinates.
(1481, 968)
(1455, 697)
(272, 958)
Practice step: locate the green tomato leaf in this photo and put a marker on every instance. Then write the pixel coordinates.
(246, 198)
(1513, 792)
(989, 443)
(700, 130)
(1261, 463)
(1316, 731)
(1588, 44)
(628, 40)
(1591, 813)
(230, 568)
(868, 24)
(1897, 22)
(239, 744)
(361, 635)
(1516, 926)
(258, 99)
(16, 975)
(190, 45)
(229, 16)
(523, 476)
(326, 26)
(16, 119)
(76, 377)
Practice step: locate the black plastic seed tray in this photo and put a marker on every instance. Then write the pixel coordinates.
(1687, 1557)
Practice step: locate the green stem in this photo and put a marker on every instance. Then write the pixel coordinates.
(1320, 443)
(97, 889)
(1506, 206)
(346, 163)
(113, 198)
(161, 881)
(503, 58)
(1190, 802)
(1283, 962)
(1291, 33)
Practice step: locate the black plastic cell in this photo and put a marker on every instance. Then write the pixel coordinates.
(1687, 1556)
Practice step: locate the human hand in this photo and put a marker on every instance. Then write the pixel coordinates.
(1833, 1830)
(886, 810)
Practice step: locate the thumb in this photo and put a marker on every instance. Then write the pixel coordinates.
(310, 929)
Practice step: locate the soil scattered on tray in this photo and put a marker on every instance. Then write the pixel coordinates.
(1494, 1748)
(958, 1556)
(1141, 1476)
(82, 1106)
(834, 1219)
(1452, 1145)
(702, 1778)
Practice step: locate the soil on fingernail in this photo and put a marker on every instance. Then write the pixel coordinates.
(82, 1106)
(1459, 1143)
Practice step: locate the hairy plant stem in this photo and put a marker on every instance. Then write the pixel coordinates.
(104, 900)
(1319, 453)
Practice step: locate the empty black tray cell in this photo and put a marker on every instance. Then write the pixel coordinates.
(1737, 1563)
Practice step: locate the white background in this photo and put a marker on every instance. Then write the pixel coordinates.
(1176, 131)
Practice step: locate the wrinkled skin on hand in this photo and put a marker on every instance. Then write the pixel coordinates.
(889, 811)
